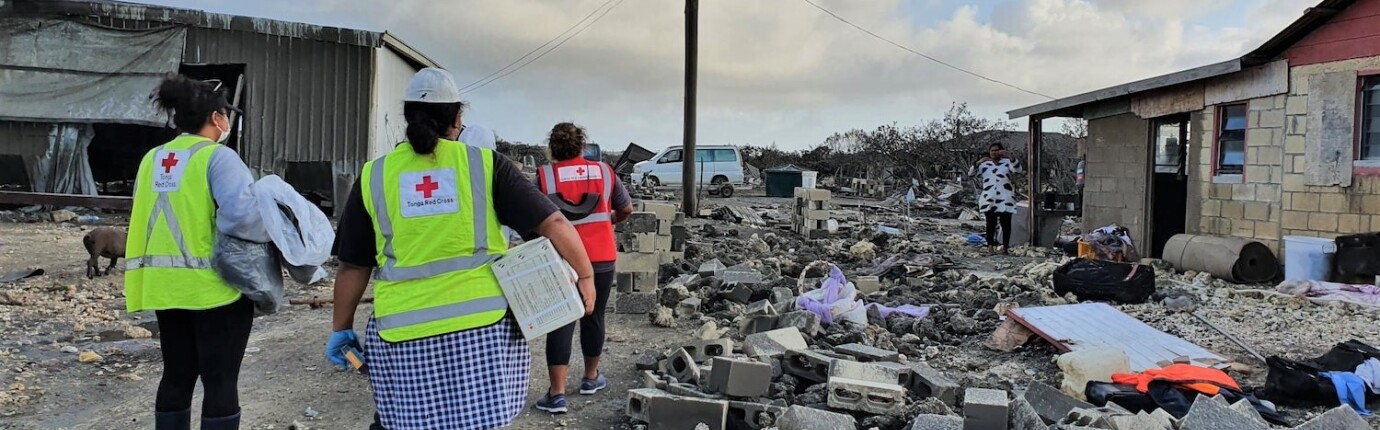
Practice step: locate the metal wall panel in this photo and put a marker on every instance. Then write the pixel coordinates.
(305, 100)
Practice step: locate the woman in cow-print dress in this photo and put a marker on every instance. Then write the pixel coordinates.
(998, 199)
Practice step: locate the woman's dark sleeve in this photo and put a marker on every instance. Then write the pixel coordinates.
(520, 205)
(355, 234)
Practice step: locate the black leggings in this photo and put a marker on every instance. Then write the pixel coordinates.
(591, 327)
(207, 344)
(992, 218)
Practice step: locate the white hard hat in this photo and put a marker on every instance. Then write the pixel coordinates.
(432, 85)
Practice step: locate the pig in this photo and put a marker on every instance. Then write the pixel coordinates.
(108, 242)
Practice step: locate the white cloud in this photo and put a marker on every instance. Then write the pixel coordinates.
(781, 70)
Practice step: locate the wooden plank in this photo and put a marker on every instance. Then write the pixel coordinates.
(54, 199)
(1098, 325)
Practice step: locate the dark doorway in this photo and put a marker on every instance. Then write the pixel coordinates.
(1169, 180)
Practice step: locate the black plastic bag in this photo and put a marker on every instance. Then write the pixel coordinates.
(1294, 383)
(1105, 280)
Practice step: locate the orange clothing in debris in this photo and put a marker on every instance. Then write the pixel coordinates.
(1201, 379)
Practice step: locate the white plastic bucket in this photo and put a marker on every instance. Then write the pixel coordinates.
(807, 179)
(1308, 258)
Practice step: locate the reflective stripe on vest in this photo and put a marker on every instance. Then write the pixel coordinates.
(548, 172)
(164, 208)
(420, 316)
(390, 271)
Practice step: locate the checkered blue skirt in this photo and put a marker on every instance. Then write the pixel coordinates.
(473, 379)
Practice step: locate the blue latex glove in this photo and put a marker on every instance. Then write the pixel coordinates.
(338, 340)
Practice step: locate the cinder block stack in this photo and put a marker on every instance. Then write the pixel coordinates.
(868, 187)
(811, 211)
(645, 242)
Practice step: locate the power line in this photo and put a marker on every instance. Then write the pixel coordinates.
(936, 60)
(472, 87)
(529, 53)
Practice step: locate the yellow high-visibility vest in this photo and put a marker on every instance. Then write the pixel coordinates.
(172, 231)
(436, 234)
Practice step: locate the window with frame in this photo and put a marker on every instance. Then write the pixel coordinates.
(1370, 118)
(1231, 140)
(672, 156)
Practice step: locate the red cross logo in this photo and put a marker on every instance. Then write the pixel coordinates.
(426, 187)
(580, 171)
(169, 163)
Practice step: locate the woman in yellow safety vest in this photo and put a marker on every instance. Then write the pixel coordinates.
(424, 221)
(186, 191)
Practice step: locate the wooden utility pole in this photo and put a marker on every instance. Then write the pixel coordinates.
(688, 182)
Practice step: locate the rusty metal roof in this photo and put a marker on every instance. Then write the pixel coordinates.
(1312, 18)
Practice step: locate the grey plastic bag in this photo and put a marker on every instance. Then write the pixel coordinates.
(253, 269)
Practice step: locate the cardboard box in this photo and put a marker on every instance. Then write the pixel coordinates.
(540, 288)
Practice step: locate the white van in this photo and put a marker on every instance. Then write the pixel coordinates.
(717, 165)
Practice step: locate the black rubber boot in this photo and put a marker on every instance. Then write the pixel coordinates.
(178, 420)
(223, 423)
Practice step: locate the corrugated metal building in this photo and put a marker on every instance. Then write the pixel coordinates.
(318, 101)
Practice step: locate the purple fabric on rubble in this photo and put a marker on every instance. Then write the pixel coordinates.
(833, 288)
(1361, 294)
(910, 310)
(833, 291)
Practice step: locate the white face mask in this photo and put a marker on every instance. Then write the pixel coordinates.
(224, 134)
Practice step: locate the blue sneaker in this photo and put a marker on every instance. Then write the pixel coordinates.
(553, 404)
(591, 386)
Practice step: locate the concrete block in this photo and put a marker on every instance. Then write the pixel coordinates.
(651, 379)
(936, 422)
(644, 282)
(1050, 403)
(785, 295)
(867, 396)
(688, 307)
(742, 274)
(1024, 417)
(686, 413)
(881, 372)
(1089, 417)
(758, 324)
(639, 222)
(774, 343)
(682, 366)
(814, 194)
(817, 214)
(753, 416)
(702, 350)
(807, 365)
(1207, 413)
(662, 243)
(662, 211)
(668, 257)
(1141, 421)
(691, 390)
(711, 268)
(760, 307)
(737, 293)
(638, 262)
(926, 381)
(868, 353)
(637, 242)
(867, 284)
(648, 361)
(740, 378)
(985, 409)
(807, 322)
(640, 401)
(1244, 407)
(799, 417)
(1341, 417)
(663, 228)
(635, 303)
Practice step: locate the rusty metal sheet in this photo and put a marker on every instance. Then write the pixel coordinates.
(1098, 325)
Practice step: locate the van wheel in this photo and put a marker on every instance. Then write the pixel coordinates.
(651, 181)
(726, 190)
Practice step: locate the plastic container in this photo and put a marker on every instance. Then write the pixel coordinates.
(1308, 258)
(807, 179)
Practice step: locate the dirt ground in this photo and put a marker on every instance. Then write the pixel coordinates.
(284, 372)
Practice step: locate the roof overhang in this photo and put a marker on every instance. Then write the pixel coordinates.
(392, 42)
(1312, 18)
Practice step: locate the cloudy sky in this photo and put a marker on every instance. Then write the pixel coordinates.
(781, 71)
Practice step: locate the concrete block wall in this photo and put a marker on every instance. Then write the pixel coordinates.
(1115, 182)
(1250, 205)
(1323, 211)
